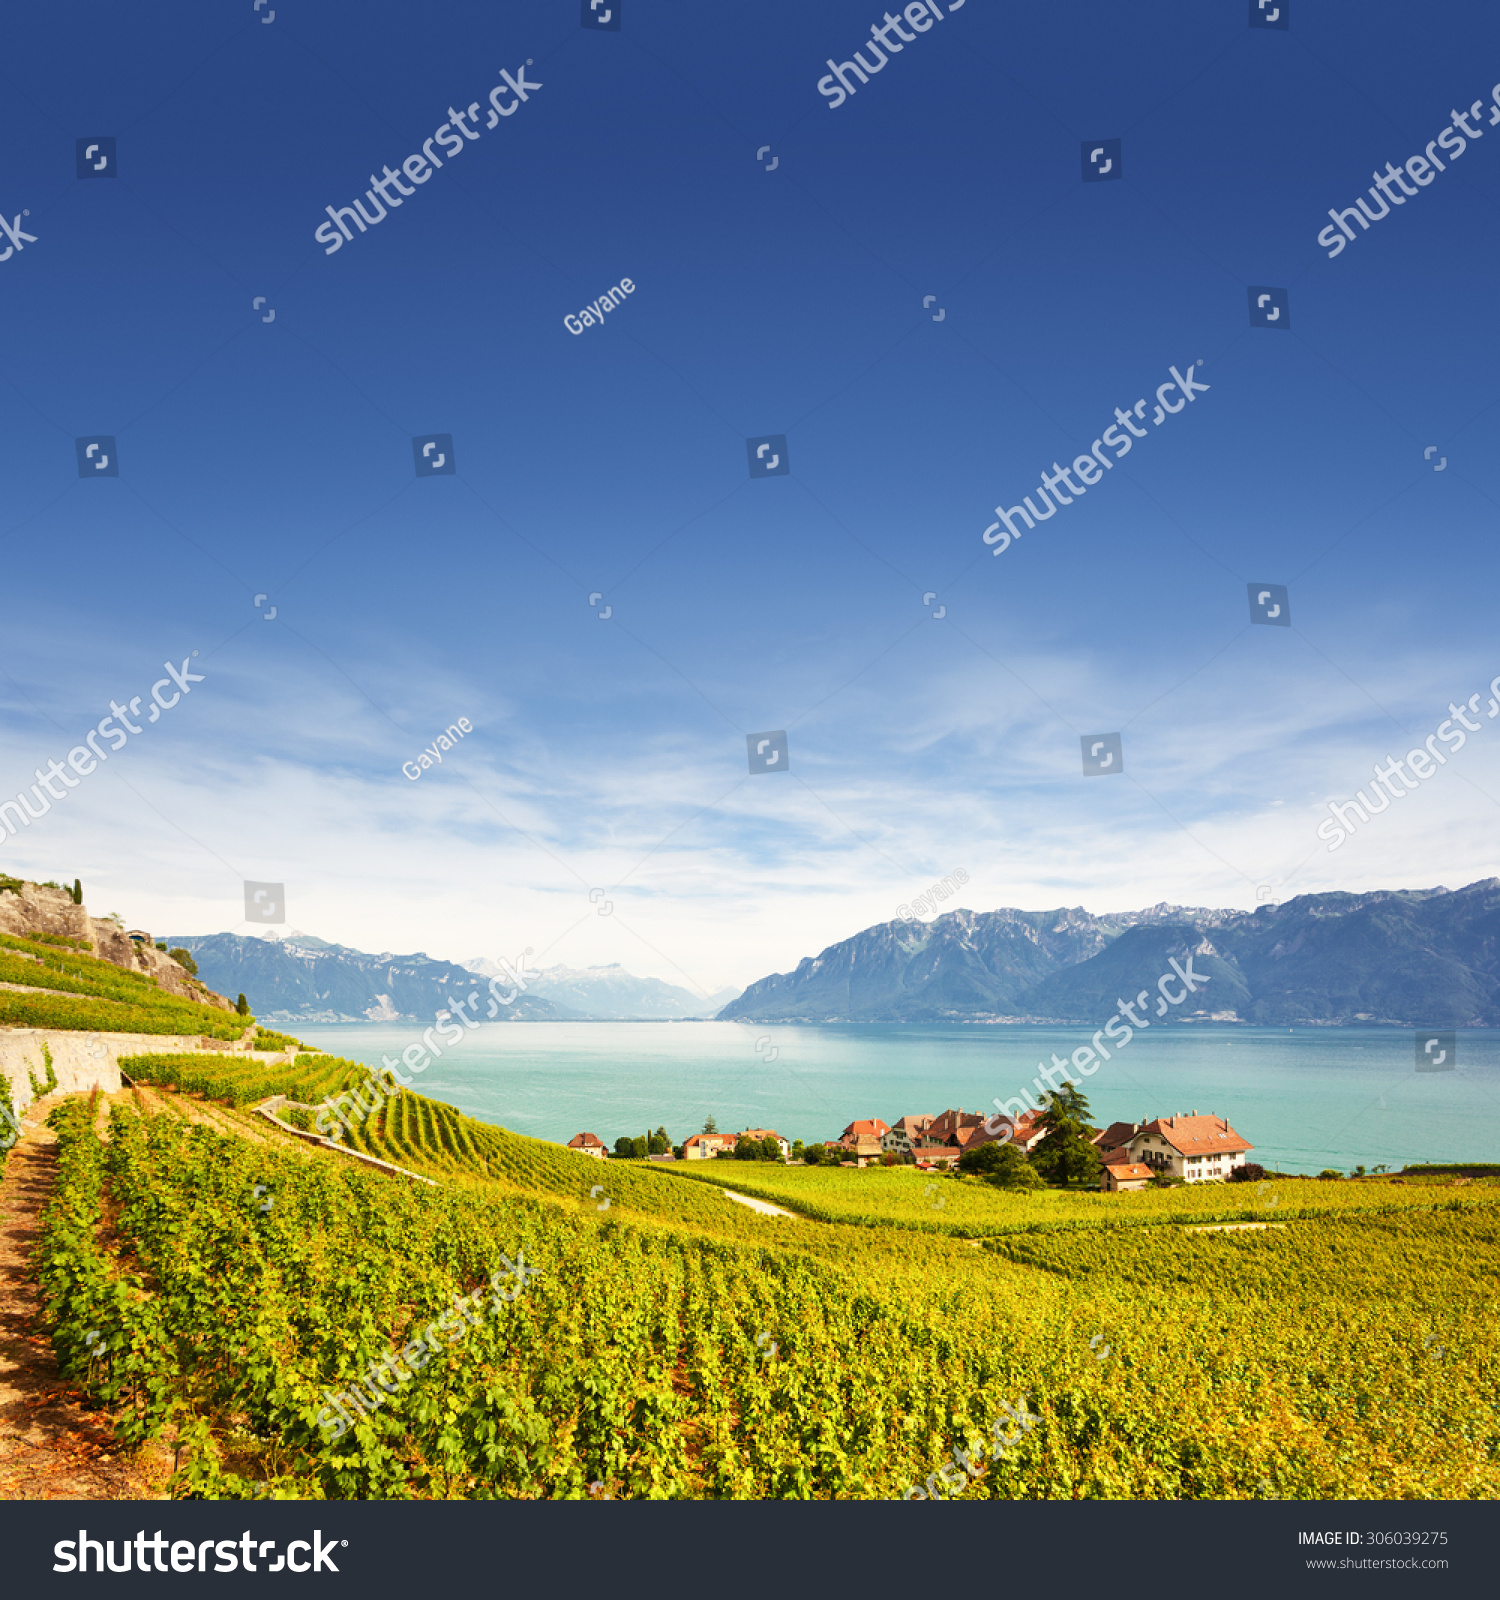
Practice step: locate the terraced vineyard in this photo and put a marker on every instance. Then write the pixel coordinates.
(96, 995)
(242, 1081)
(673, 1344)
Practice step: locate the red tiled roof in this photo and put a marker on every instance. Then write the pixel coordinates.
(950, 1121)
(584, 1141)
(1129, 1171)
(871, 1127)
(1116, 1135)
(1198, 1136)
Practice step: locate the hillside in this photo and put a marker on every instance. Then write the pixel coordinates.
(1413, 958)
(30, 910)
(534, 1324)
(301, 979)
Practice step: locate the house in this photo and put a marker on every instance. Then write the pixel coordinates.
(942, 1128)
(705, 1146)
(1115, 1137)
(590, 1144)
(1198, 1149)
(785, 1145)
(906, 1132)
(862, 1147)
(1121, 1175)
(936, 1155)
(873, 1128)
(1029, 1132)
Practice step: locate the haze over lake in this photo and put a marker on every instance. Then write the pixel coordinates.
(1307, 1098)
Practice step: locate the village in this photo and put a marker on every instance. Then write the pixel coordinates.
(1187, 1147)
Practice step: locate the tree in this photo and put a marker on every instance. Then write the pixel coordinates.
(77, 892)
(813, 1154)
(184, 960)
(660, 1143)
(628, 1149)
(709, 1125)
(242, 1005)
(1247, 1172)
(770, 1149)
(1001, 1164)
(798, 1150)
(1067, 1156)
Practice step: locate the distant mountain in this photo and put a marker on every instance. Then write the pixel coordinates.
(614, 995)
(302, 979)
(1413, 958)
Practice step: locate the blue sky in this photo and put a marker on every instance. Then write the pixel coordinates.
(275, 459)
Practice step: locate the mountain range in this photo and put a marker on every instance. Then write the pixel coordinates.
(1407, 957)
(297, 978)
(611, 994)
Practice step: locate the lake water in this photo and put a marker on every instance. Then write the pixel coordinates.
(1305, 1098)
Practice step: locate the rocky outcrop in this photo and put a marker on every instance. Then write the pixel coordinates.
(34, 908)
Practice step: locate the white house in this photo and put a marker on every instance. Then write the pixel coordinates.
(1199, 1149)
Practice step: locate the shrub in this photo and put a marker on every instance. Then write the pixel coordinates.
(1330, 1172)
(1247, 1172)
(184, 960)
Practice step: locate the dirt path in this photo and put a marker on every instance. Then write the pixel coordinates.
(51, 1448)
(765, 1208)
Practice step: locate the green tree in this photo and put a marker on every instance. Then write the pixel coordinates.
(709, 1125)
(812, 1154)
(1066, 1155)
(799, 1150)
(242, 1005)
(1002, 1164)
(660, 1143)
(77, 892)
(184, 960)
(628, 1149)
(770, 1149)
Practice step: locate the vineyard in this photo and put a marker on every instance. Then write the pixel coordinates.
(71, 990)
(241, 1082)
(214, 1292)
(902, 1197)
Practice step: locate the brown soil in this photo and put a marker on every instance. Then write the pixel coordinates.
(51, 1446)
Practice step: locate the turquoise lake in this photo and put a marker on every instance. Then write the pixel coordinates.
(1305, 1098)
